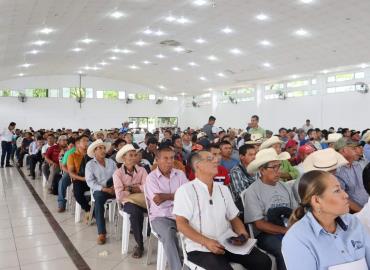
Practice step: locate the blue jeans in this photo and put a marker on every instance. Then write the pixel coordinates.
(272, 244)
(64, 182)
(6, 150)
(100, 199)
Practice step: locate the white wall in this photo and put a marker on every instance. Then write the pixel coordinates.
(64, 112)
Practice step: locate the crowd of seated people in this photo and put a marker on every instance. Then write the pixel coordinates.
(285, 189)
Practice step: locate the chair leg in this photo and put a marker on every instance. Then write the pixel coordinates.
(161, 257)
(91, 212)
(77, 213)
(125, 233)
(150, 250)
(145, 228)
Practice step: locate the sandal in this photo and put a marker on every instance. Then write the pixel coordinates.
(138, 252)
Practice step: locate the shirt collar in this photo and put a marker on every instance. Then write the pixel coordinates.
(317, 228)
(159, 174)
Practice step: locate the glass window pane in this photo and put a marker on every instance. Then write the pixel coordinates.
(131, 96)
(5, 93)
(313, 81)
(110, 94)
(99, 94)
(89, 93)
(40, 92)
(344, 77)
(297, 83)
(14, 93)
(360, 75)
(121, 95)
(151, 97)
(66, 92)
(28, 92)
(53, 93)
(331, 79)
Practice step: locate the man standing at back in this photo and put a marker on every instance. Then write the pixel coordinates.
(255, 128)
(208, 128)
(6, 144)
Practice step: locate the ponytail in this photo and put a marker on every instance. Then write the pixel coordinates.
(297, 214)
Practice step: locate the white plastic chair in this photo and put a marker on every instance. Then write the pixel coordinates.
(161, 255)
(126, 225)
(78, 209)
(44, 180)
(251, 233)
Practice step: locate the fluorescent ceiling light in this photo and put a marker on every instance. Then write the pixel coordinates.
(133, 67)
(202, 78)
(235, 51)
(113, 58)
(200, 41)
(46, 31)
(306, 1)
(140, 43)
(364, 65)
(34, 52)
(220, 74)
(148, 31)
(87, 40)
(175, 68)
(126, 51)
(182, 20)
(265, 43)
(77, 49)
(103, 63)
(95, 68)
(117, 14)
(200, 2)
(116, 50)
(20, 74)
(87, 67)
(325, 71)
(193, 64)
(25, 65)
(266, 64)
(227, 30)
(179, 49)
(39, 42)
(159, 33)
(301, 32)
(212, 58)
(262, 17)
(146, 62)
(294, 76)
(161, 56)
(170, 18)
(161, 87)
(183, 93)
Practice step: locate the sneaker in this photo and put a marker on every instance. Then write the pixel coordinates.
(101, 239)
(61, 209)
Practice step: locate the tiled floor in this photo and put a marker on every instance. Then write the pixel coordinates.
(27, 241)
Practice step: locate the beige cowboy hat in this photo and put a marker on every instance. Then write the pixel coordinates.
(265, 156)
(270, 142)
(333, 137)
(201, 135)
(366, 137)
(93, 146)
(256, 138)
(123, 151)
(323, 160)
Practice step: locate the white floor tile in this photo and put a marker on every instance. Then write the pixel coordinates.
(41, 253)
(8, 259)
(32, 241)
(7, 245)
(58, 264)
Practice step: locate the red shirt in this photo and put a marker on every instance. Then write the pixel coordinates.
(53, 153)
(222, 174)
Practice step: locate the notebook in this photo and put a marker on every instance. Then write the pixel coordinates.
(241, 250)
(356, 265)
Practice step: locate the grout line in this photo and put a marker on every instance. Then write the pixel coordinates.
(73, 253)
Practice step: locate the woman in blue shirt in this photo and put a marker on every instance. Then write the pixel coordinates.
(323, 234)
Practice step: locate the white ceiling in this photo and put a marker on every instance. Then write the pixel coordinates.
(338, 35)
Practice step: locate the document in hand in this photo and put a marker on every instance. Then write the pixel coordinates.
(358, 265)
(241, 250)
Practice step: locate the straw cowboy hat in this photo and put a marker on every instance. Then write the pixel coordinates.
(93, 146)
(333, 137)
(265, 156)
(270, 142)
(323, 160)
(256, 138)
(123, 151)
(366, 137)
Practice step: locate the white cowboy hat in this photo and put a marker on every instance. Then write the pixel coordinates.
(323, 160)
(256, 138)
(93, 146)
(366, 137)
(265, 156)
(333, 137)
(201, 135)
(270, 142)
(123, 151)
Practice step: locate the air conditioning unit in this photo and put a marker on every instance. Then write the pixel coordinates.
(362, 87)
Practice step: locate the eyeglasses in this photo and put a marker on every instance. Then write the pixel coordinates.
(275, 168)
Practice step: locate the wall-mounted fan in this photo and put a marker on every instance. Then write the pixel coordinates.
(128, 100)
(362, 87)
(233, 100)
(194, 103)
(159, 101)
(22, 97)
(281, 95)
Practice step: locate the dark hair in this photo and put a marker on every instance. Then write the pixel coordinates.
(212, 145)
(255, 117)
(283, 128)
(13, 124)
(152, 140)
(366, 178)
(163, 148)
(196, 157)
(310, 131)
(71, 140)
(51, 135)
(244, 148)
(82, 136)
(212, 118)
(224, 143)
(310, 184)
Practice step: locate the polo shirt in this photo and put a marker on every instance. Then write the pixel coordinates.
(75, 160)
(67, 154)
(207, 214)
(307, 246)
(53, 153)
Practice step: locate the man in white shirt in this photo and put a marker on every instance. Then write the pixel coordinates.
(35, 155)
(204, 213)
(6, 144)
(307, 126)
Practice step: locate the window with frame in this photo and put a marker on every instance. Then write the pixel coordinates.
(166, 122)
(341, 89)
(274, 87)
(5, 93)
(342, 77)
(299, 83)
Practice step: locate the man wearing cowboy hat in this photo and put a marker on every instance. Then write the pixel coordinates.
(350, 175)
(129, 180)
(267, 200)
(98, 173)
(332, 139)
(366, 139)
(287, 171)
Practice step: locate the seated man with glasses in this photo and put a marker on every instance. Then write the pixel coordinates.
(205, 212)
(269, 202)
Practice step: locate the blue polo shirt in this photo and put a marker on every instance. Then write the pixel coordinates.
(307, 246)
